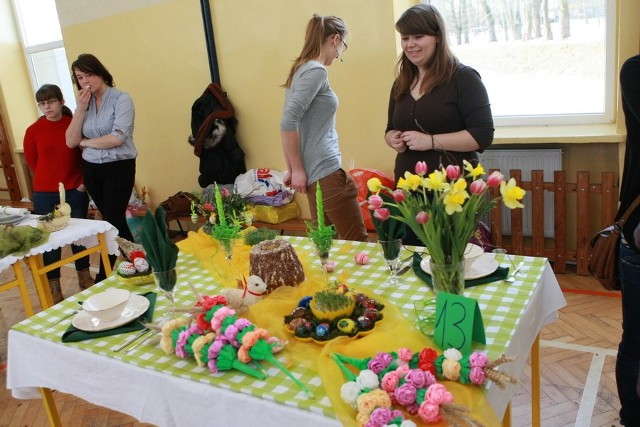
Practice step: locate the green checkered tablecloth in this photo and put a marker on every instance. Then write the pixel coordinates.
(502, 306)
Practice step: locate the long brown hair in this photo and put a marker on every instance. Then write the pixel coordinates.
(87, 63)
(318, 29)
(424, 19)
(47, 92)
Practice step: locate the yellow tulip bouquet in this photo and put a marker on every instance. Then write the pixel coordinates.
(443, 208)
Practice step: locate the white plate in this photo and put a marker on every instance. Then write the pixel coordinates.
(136, 307)
(10, 219)
(483, 266)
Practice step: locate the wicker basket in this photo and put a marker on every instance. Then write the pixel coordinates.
(58, 223)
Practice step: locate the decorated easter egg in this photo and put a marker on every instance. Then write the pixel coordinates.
(322, 330)
(364, 323)
(304, 302)
(304, 330)
(371, 314)
(362, 258)
(141, 265)
(330, 266)
(296, 323)
(126, 268)
(347, 326)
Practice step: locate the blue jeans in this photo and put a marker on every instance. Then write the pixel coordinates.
(628, 361)
(45, 202)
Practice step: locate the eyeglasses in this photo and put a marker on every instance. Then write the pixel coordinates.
(48, 102)
(345, 44)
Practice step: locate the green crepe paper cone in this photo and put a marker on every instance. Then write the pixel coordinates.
(228, 359)
(348, 375)
(262, 350)
(361, 364)
(465, 371)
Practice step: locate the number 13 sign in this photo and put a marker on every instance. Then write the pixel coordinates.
(458, 322)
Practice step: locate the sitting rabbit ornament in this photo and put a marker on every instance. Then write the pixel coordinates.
(249, 292)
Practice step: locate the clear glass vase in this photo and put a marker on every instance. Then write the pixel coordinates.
(447, 277)
(166, 282)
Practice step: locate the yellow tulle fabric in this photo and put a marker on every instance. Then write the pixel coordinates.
(392, 333)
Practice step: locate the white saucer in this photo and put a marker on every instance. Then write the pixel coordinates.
(10, 219)
(135, 308)
(483, 266)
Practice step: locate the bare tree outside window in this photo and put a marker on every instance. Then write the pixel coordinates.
(543, 61)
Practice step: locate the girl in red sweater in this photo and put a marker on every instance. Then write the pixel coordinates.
(51, 162)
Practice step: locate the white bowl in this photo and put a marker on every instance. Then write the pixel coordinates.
(107, 305)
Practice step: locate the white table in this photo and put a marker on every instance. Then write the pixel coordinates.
(95, 236)
(168, 391)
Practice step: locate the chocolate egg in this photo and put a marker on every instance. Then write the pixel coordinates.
(305, 329)
(347, 326)
(371, 313)
(322, 330)
(298, 312)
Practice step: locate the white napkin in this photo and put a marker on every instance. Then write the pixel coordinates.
(8, 210)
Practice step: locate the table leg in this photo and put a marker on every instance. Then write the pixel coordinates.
(506, 420)
(50, 407)
(36, 264)
(26, 302)
(104, 253)
(535, 382)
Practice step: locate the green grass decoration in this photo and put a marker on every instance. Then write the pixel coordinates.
(321, 235)
(162, 253)
(258, 235)
(224, 230)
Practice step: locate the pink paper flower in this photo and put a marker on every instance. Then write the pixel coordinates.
(380, 362)
(406, 394)
(477, 375)
(405, 354)
(379, 417)
(438, 394)
(478, 359)
(390, 381)
(429, 412)
(417, 378)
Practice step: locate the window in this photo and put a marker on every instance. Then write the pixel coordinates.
(543, 61)
(43, 46)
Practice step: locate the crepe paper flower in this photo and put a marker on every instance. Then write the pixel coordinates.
(166, 342)
(185, 341)
(219, 315)
(232, 330)
(228, 359)
(426, 360)
(419, 378)
(380, 362)
(390, 381)
(405, 355)
(262, 350)
(199, 344)
(349, 392)
(472, 369)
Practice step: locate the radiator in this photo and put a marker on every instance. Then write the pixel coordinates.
(547, 160)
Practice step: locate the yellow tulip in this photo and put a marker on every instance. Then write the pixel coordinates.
(374, 185)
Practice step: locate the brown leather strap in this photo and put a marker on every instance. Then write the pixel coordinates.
(628, 212)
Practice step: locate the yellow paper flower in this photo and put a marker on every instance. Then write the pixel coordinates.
(511, 194)
(366, 403)
(451, 369)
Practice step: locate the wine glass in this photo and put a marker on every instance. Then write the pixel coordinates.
(391, 252)
(227, 247)
(166, 282)
(323, 254)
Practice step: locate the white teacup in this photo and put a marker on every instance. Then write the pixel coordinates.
(107, 305)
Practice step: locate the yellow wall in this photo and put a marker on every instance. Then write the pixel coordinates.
(156, 51)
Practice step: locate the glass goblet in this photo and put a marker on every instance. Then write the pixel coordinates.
(323, 254)
(166, 282)
(391, 252)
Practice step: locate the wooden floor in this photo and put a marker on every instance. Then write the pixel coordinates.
(577, 365)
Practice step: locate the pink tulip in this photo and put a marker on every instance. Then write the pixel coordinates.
(375, 202)
(382, 214)
(422, 217)
(478, 186)
(453, 172)
(398, 195)
(421, 168)
(494, 179)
